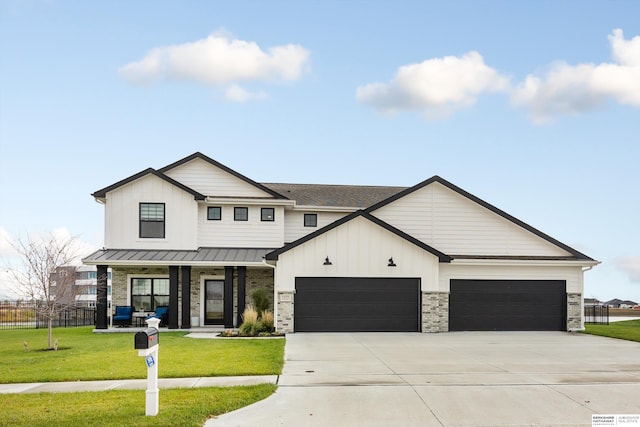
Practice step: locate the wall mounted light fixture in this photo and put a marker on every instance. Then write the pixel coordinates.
(391, 263)
(327, 261)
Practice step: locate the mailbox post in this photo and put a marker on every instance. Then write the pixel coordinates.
(146, 342)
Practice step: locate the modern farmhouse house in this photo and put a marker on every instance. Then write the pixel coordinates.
(198, 237)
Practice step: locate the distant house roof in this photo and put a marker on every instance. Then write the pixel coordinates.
(224, 256)
(617, 301)
(356, 196)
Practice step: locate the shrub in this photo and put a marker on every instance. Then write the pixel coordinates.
(268, 321)
(249, 321)
(260, 300)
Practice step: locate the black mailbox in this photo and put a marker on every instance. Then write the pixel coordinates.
(146, 339)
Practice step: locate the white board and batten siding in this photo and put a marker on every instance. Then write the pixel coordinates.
(209, 180)
(357, 248)
(294, 223)
(122, 215)
(455, 225)
(253, 233)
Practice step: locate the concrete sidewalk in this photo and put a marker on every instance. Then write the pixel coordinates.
(74, 386)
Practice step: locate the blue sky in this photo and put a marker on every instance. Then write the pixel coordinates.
(531, 106)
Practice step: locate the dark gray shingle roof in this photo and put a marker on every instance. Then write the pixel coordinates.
(356, 196)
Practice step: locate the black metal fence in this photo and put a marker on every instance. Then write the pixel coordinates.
(24, 315)
(596, 314)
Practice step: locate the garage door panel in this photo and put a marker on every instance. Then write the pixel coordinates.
(356, 304)
(507, 305)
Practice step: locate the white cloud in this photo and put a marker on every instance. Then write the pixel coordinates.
(574, 89)
(631, 266)
(437, 87)
(236, 93)
(219, 60)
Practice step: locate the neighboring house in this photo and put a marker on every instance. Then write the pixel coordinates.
(86, 283)
(77, 285)
(200, 237)
(591, 302)
(618, 303)
(62, 289)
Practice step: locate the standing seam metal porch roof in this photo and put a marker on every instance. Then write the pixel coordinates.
(178, 257)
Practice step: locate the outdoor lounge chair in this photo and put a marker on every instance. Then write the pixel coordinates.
(123, 315)
(161, 313)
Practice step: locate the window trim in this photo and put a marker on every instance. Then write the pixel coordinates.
(262, 214)
(239, 209)
(211, 209)
(310, 215)
(164, 220)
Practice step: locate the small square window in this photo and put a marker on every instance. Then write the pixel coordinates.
(241, 214)
(214, 213)
(310, 220)
(267, 214)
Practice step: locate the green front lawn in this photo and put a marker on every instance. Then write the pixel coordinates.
(178, 407)
(627, 330)
(83, 355)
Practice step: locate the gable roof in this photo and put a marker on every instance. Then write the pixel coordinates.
(460, 191)
(273, 256)
(354, 196)
(150, 171)
(198, 155)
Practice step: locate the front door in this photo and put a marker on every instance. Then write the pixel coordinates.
(214, 302)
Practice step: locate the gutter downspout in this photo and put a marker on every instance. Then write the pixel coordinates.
(275, 294)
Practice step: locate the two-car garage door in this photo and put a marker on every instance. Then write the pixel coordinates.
(356, 304)
(507, 305)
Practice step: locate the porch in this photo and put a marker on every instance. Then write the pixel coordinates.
(208, 288)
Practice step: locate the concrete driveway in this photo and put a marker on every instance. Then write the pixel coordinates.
(449, 379)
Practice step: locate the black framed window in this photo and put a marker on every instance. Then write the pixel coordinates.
(214, 213)
(149, 293)
(310, 220)
(267, 214)
(152, 220)
(241, 214)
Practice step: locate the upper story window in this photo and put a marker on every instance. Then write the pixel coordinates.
(214, 213)
(267, 214)
(310, 220)
(241, 214)
(152, 220)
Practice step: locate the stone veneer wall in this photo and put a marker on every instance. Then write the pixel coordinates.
(259, 278)
(284, 322)
(435, 311)
(574, 312)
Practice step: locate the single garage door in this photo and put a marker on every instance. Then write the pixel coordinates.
(507, 305)
(356, 304)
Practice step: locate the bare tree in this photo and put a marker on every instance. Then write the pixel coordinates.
(46, 275)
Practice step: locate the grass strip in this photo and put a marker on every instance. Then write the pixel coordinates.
(83, 356)
(626, 330)
(178, 407)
